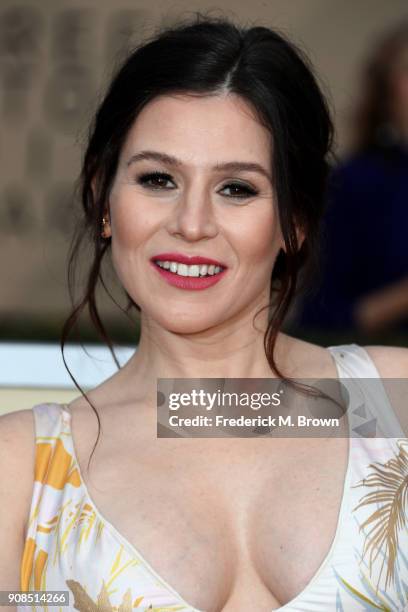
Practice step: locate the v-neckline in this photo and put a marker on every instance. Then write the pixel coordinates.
(190, 608)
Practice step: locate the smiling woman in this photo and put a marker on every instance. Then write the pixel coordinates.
(195, 206)
(204, 179)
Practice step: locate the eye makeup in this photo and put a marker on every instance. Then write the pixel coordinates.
(157, 181)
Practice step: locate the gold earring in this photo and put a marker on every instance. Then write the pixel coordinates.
(104, 222)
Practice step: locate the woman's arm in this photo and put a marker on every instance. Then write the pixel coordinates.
(17, 451)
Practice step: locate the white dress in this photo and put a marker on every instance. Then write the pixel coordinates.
(70, 546)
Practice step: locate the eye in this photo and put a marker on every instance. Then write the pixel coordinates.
(157, 182)
(159, 179)
(246, 190)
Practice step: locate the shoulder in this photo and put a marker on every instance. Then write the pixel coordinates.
(16, 427)
(303, 359)
(17, 450)
(390, 361)
(17, 457)
(313, 360)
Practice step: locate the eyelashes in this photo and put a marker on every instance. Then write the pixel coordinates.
(156, 181)
(159, 177)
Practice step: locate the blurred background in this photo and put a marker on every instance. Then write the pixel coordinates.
(56, 58)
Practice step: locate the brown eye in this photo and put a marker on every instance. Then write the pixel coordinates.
(154, 180)
(240, 191)
(158, 181)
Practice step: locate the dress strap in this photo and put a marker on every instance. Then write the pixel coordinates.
(355, 360)
(55, 462)
(373, 408)
(67, 408)
(47, 420)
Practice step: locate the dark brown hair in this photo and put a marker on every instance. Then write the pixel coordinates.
(204, 56)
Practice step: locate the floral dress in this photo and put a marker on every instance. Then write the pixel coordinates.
(70, 546)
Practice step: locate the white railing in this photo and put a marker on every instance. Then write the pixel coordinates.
(40, 365)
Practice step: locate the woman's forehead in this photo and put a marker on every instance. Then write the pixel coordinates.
(201, 128)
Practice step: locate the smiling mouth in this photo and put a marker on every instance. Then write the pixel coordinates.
(193, 270)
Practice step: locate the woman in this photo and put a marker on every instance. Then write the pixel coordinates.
(365, 286)
(211, 142)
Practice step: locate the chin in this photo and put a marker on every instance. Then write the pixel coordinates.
(188, 324)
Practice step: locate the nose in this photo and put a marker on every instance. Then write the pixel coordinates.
(193, 217)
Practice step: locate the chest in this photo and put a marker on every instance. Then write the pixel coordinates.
(225, 521)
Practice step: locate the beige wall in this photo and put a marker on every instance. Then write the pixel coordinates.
(42, 122)
(12, 399)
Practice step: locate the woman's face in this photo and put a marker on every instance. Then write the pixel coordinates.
(194, 208)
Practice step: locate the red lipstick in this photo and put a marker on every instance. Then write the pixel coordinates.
(192, 283)
(187, 259)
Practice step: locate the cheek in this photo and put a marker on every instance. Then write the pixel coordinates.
(257, 238)
(132, 224)
(134, 219)
(128, 221)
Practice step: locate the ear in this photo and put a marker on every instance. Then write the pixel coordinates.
(106, 227)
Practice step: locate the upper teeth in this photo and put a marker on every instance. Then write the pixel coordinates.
(185, 270)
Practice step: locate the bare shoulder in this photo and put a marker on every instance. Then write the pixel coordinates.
(315, 360)
(17, 421)
(17, 432)
(306, 359)
(17, 455)
(17, 452)
(390, 361)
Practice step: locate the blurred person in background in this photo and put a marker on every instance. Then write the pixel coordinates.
(364, 273)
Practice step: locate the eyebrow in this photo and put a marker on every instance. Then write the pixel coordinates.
(173, 161)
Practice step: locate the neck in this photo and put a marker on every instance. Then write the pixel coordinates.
(233, 349)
